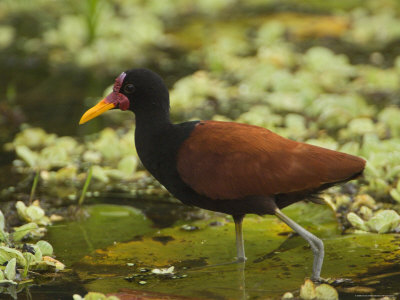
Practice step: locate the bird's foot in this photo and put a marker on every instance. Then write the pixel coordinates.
(319, 279)
(332, 281)
(241, 260)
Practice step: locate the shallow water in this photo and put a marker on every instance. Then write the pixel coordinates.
(97, 249)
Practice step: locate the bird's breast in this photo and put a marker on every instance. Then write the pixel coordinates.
(158, 150)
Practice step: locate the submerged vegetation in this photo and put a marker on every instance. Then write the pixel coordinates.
(320, 72)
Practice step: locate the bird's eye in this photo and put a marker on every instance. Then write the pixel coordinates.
(129, 88)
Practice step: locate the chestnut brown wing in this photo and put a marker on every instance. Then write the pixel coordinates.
(224, 160)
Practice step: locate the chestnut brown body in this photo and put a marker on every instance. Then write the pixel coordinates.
(226, 160)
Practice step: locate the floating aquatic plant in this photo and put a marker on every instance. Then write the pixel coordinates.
(311, 291)
(20, 258)
(94, 296)
(32, 213)
(383, 221)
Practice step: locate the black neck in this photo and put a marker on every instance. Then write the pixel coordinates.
(152, 140)
(150, 121)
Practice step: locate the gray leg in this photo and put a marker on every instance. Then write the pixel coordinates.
(316, 244)
(241, 257)
(242, 282)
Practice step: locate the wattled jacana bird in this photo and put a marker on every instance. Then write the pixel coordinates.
(226, 167)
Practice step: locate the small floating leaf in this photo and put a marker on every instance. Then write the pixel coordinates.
(92, 156)
(2, 222)
(32, 213)
(287, 295)
(307, 290)
(54, 262)
(356, 221)
(384, 221)
(35, 213)
(3, 236)
(9, 271)
(326, 292)
(45, 247)
(38, 253)
(395, 194)
(7, 254)
(21, 210)
(94, 296)
(21, 231)
(128, 165)
(100, 174)
(366, 212)
(27, 155)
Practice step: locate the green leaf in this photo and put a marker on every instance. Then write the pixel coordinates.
(3, 236)
(7, 254)
(356, 221)
(108, 145)
(95, 296)
(35, 213)
(53, 156)
(287, 296)
(30, 260)
(395, 194)
(33, 138)
(100, 174)
(326, 292)
(21, 210)
(128, 165)
(391, 117)
(45, 247)
(27, 155)
(9, 271)
(307, 290)
(384, 221)
(2, 221)
(6, 281)
(29, 257)
(21, 231)
(38, 253)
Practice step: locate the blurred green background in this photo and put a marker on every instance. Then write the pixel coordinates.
(323, 72)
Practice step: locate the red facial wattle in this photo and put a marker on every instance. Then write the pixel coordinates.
(115, 97)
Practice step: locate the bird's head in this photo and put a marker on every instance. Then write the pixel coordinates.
(136, 90)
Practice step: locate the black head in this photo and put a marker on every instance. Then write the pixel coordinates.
(145, 90)
(139, 90)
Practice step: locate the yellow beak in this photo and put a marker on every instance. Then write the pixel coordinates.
(96, 110)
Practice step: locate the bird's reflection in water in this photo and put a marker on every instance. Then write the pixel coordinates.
(241, 277)
(241, 280)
